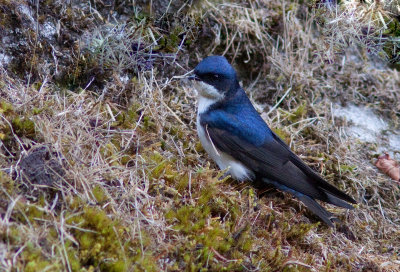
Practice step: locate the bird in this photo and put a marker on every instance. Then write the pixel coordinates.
(236, 137)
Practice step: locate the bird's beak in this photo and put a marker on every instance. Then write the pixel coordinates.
(194, 77)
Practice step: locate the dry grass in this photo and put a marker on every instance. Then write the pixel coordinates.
(139, 193)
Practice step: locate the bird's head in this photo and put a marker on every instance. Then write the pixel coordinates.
(215, 77)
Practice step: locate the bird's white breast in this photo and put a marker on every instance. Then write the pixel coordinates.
(206, 98)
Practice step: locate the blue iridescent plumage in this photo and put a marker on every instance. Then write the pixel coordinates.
(239, 117)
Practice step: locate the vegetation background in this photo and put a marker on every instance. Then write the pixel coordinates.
(101, 167)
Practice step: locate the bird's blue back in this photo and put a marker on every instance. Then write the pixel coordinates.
(237, 115)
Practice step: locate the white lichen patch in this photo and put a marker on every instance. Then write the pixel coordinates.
(364, 125)
(394, 141)
(367, 126)
(4, 60)
(48, 30)
(27, 12)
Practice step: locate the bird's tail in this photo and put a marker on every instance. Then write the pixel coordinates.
(338, 202)
(313, 205)
(318, 210)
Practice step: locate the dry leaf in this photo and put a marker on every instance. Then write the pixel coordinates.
(388, 166)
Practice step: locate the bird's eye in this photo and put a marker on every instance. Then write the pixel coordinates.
(216, 76)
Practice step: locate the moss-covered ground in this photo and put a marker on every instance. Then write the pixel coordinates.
(94, 93)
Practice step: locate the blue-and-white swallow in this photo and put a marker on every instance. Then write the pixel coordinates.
(237, 138)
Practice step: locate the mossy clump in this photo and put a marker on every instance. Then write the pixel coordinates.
(282, 134)
(105, 244)
(19, 122)
(23, 126)
(169, 43)
(208, 227)
(36, 261)
(99, 194)
(298, 113)
(128, 119)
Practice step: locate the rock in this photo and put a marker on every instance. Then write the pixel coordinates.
(42, 166)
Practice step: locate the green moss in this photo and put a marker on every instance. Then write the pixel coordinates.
(38, 266)
(148, 123)
(282, 134)
(27, 213)
(208, 227)
(109, 151)
(169, 43)
(99, 194)
(35, 261)
(128, 119)
(7, 184)
(23, 126)
(103, 242)
(276, 257)
(298, 232)
(391, 50)
(125, 159)
(118, 266)
(100, 240)
(5, 108)
(182, 182)
(298, 113)
(157, 171)
(36, 111)
(73, 257)
(7, 111)
(140, 16)
(82, 69)
(13, 236)
(37, 85)
(243, 239)
(145, 263)
(34, 212)
(393, 28)
(347, 168)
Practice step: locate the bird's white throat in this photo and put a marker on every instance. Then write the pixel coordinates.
(207, 95)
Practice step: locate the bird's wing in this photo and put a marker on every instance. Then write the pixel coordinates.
(275, 161)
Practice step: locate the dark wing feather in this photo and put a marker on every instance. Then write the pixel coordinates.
(323, 184)
(275, 161)
(313, 205)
